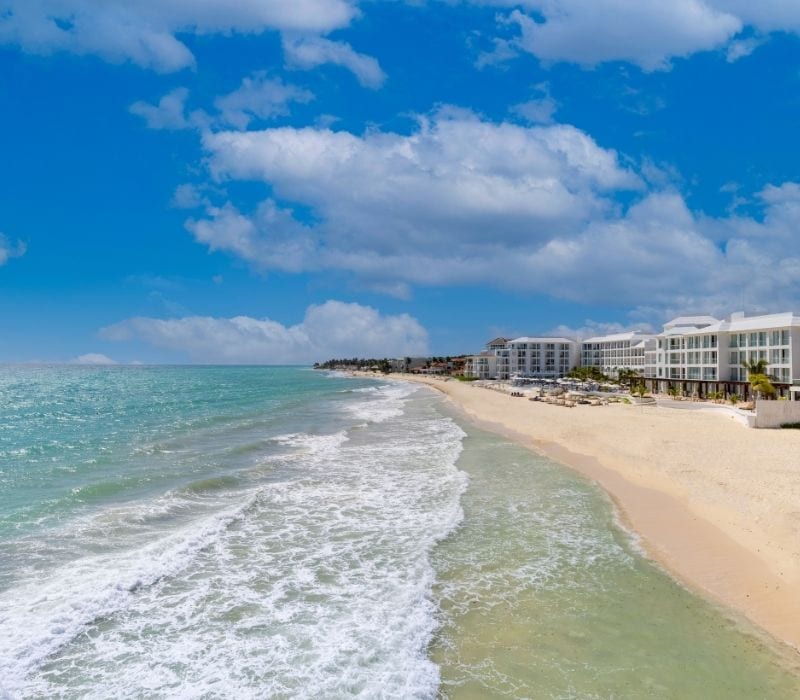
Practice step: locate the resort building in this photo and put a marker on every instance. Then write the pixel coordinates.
(547, 358)
(701, 354)
(621, 351)
(483, 366)
(543, 358)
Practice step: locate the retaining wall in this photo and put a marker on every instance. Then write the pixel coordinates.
(773, 414)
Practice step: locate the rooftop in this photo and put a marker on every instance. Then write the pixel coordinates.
(616, 337)
(528, 339)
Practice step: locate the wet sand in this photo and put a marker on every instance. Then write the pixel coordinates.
(717, 504)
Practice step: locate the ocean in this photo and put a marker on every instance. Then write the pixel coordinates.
(265, 532)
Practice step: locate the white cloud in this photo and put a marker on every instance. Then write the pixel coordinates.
(332, 329)
(258, 97)
(592, 328)
(168, 113)
(93, 358)
(764, 15)
(10, 250)
(540, 109)
(312, 51)
(145, 32)
(742, 48)
(188, 196)
(463, 201)
(647, 33)
(452, 197)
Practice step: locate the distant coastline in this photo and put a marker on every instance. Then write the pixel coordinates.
(716, 504)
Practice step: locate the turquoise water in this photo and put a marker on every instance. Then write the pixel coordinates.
(278, 532)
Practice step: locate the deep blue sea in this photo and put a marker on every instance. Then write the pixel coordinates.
(252, 532)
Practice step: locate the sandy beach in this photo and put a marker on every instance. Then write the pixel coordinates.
(717, 504)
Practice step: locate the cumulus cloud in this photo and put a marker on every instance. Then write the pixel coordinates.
(464, 201)
(539, 109)
(146, 32)
(592, 328)
(312, 51)
(456, 192)
(168, 113)
(10, 250)
(93, 358)
(258, 97)
(332, 329)
(649, 34)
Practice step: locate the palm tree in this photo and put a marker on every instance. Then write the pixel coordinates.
(762, 385)
(640, 390)
(758, 377)
(755, 366)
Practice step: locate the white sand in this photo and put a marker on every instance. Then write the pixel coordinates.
(716, 503)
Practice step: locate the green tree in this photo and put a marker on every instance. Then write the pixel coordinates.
(639, 389)
(759, 380)
(762, 386)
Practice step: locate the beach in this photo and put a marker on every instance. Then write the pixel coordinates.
(715, 503)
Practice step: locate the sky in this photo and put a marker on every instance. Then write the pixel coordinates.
(285, 181)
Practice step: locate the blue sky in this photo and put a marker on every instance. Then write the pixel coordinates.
(290, 180)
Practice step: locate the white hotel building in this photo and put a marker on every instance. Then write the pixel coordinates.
(541, 358)
(612, 353)
(700, 354)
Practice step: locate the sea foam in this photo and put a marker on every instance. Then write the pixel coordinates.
(317, 583)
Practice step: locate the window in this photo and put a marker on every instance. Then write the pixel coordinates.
(753, 339)
(784, 337)
(775, 338)
(734, 358)
(762, 339)
(742, 340)
(734, 340)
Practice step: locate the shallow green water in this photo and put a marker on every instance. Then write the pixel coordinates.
(544, 596)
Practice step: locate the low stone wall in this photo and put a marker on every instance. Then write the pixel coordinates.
(773, 414)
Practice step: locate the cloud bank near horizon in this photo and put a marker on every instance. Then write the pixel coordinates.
(329, 330)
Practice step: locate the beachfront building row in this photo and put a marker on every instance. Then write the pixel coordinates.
(694, 354)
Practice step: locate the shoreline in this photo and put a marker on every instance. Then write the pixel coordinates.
(706, 527)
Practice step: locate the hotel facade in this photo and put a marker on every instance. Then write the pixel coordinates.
(621, 351)
(695, 355)
(535, 358)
